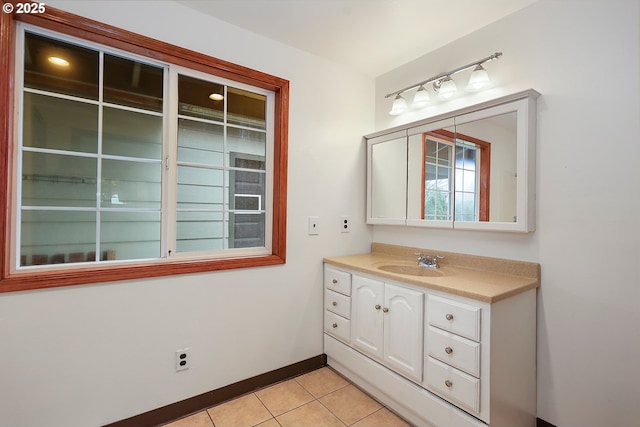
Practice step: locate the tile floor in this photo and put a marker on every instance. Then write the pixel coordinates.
(321, 398)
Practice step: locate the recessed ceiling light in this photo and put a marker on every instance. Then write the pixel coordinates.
(216, 96)
(60, 62)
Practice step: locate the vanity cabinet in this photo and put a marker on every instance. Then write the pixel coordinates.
(437, 358)
(387, 324)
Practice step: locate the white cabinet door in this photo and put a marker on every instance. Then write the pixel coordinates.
(366, 316)
(403, 330)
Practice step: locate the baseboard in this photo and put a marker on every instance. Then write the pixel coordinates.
(543, 423)
(214, 397)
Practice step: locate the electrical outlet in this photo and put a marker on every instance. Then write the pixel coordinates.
(314, 225)
(182, 359)
(345, 224)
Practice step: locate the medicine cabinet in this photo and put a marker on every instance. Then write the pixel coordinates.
(470, 169)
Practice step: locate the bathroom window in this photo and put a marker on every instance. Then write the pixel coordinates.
(126, 166)
(461, 160)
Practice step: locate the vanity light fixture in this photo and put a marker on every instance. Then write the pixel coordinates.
(443, 85)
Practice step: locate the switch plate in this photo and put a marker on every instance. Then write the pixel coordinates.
(345, 223)
(314, 225)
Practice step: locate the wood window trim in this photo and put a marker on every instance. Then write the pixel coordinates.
(87, 29)
(485, 167)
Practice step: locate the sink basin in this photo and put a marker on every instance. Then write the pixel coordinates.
(411, 270)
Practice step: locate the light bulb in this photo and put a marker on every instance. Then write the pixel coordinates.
(216, 97)
(399, 106)
(421, 98)
(479, 78)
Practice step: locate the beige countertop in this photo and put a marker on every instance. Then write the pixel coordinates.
(480, 278)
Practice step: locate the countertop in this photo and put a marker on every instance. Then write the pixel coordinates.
(480, 278)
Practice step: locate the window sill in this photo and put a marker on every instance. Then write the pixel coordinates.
(31, 280)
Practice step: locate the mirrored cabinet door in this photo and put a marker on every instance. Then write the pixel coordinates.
(430, 175)
(387, 179)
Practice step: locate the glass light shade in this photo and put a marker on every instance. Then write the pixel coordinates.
(399, 106)
(447, 88)
(479, 78)
(421, 98)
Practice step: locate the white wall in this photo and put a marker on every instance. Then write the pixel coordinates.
(90, 355)
(583, 57)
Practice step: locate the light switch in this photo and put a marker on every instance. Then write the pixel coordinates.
(314, 225)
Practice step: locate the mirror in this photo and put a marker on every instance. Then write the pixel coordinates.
(471, 169)
(387, 178)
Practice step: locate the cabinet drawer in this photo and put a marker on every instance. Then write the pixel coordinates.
(453, 316)
(337, 280)
(453, 350)
(337, 303)
(454, 385)
(337, 326)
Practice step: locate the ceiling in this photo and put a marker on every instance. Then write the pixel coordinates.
(374, 36)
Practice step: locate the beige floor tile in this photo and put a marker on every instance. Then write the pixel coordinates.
(244, 411)
(269, 423)
(382, 418)
(322, 381)
(283, 397)
(350, 404)
(310, 415)
(201, 419)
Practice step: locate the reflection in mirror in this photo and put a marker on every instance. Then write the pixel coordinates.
(485, 169)
(388, 179)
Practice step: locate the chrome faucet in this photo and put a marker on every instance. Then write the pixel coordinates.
(428, 261)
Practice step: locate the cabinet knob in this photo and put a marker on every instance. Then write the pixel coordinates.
(448, 350)
(378, 307)
(334, 303)
(449, 316)
(334, 281)
(335, 325)
(448, 383)
(385, 310)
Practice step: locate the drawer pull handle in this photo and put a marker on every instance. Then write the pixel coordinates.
(334, 281)
(334, 303)
(385, 310)
(378, 307)
(448, 383)
(448, 350)
(335, 325)
(449, 316)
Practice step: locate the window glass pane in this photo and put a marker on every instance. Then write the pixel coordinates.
(127, 184)
(132, 83)
(58, 180)
(129, 235)
(468, 181)
(60, 67)
(247, 142)
(246, 108)
(52, 237)
(247, 190)
(431, 148)
(196, 98)
(444, 153)
(200, 231)
(130, 134)
(59, 124)
(201, 143)
(247, 230)
(200, 188)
